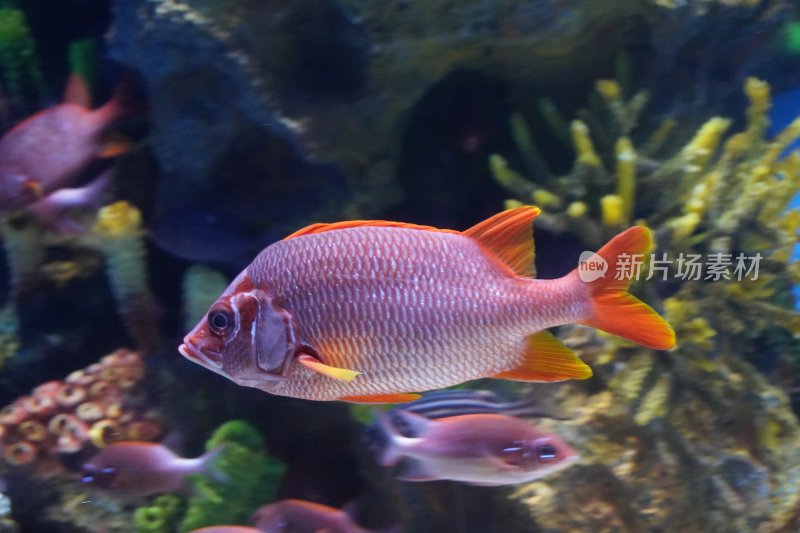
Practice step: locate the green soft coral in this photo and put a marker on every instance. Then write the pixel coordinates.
(160, 517)
(251, 476)
(21, 74)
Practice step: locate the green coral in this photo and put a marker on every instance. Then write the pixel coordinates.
(21, 73)
(83, 61)
(161, 517)
(251, 479)
(792, 38)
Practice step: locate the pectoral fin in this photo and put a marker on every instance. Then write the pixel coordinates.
(312, 363)
(547, 359)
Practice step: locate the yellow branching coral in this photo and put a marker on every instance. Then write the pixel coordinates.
(654, 403)
(721, 196)
(702, 147)
(626, 175)
(612, 209)
(584, 147)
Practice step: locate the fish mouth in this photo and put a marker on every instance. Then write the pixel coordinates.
(193, 354)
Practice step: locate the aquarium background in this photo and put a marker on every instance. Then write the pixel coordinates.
(243, 121)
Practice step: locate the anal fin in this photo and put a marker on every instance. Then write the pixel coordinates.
(547, 359)
(381, 398)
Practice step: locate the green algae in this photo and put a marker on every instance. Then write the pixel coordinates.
(251, 479)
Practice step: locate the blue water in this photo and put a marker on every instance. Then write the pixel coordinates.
(786, 107)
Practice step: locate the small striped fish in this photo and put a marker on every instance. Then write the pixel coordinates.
(446, 403)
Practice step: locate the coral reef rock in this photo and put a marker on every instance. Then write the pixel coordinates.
(668, 444)
(261, 94)
(89, 409)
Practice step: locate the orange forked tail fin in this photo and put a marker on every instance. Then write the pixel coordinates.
(615, 310)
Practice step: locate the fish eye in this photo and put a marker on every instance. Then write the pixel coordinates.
(220, 321)
(545, 452)
(98, 476)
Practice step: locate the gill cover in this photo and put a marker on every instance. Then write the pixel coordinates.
(276, 338)
(268, 328)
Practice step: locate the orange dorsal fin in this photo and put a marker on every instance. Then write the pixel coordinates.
(547, 359)
(381, 398)
(77, 92)
(322, 227)
(614, 309)
(509, 237)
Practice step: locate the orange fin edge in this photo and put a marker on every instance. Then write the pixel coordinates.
(381, 398)
(509, 237)
(115, 147)
(615, 310)
(546, 359)
(323, 227)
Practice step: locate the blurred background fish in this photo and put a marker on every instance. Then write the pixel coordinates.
(447, 403)
(480, 449)
(208, 232)
(53, 147)
(300, 516)
(139, 469)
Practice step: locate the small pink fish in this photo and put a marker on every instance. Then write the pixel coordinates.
(300, 516)
(483, 449)
(50, 149)
(369, 311)
(139, 469)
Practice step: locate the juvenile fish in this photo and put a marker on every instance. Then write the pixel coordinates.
(475, 449)
(139, 469)
(300, 516)
(371, 311)
(50, 149)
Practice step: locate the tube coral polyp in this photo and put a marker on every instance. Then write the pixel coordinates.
(626, 175)
(583, 144)
(119, 227)
(90, 408)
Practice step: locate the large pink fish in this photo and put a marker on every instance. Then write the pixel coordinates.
(370, 311)
(50, 149)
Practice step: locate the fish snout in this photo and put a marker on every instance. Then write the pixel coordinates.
(208, 358)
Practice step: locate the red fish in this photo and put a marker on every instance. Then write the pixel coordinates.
(483, 449)
(50, 149)
(139, 469)
(300, 516)
(371, 311)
